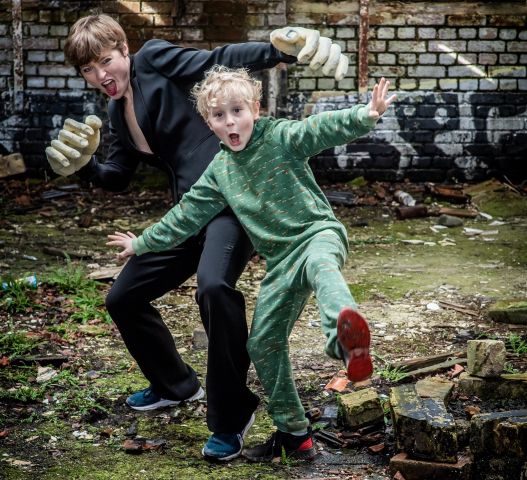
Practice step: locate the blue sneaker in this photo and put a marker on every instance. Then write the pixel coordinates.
(226, 446)
(147, 400)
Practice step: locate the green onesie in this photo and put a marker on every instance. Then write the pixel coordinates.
(271, 189)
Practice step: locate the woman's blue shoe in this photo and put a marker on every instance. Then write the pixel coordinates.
(226, 446)
(147, 400)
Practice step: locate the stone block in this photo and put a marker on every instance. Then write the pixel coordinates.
(499, 434)
(509, 312)
(505, 386)
(423, 428)
(435, 387)
(200, 340)
(498, 443)
(485, 358)
(412, 469)
(360, 408)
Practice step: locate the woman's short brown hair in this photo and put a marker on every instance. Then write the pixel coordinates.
(89, 36)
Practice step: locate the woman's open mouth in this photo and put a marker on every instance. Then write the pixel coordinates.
(110, 87)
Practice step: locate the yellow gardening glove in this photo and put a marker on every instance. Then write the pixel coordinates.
(308, 45)
(75, 145)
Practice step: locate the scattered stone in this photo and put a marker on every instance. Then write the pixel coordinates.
(485, 358)
(423, 428)
(509, 312)
(412, 469)
(498, 442)
(45, 374)
(11, 165)
(360, 408)
(505, 386)
(435, 387)
(200, 340)
(450, 221)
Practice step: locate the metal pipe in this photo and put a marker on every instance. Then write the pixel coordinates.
(18, 57)
(364, 26)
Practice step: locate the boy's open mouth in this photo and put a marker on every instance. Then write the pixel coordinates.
(111, 87)
(235, 139)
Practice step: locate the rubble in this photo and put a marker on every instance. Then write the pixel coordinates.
(485, 358)
(360, 408)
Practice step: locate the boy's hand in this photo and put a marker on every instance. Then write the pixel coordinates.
(308, 45)
(123, 240)
(76, 143)
(379, 103)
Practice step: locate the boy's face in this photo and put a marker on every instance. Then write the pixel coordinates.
(232, 121)
(110, 73)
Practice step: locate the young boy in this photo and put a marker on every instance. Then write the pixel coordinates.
(262, 173)
(152, 120)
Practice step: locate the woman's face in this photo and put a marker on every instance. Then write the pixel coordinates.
(110, 73)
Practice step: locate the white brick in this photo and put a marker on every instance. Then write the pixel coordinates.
(448, 84)
(486, 46)
(35, 82)
(427, 33)
(468, 33)
(406, 33)
(447, 33)
(427, 58)
(468, 84)
(423, 72)
(507, 34)
(386, 33)
(508, 84)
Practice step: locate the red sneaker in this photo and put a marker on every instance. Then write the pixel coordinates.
(353, 334)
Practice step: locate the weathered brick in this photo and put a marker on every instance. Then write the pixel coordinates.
(406, 33)
(467, 33)
(487, 58)
(428, 58)
(485, 358)
(157, 7)
(492, 388)
(423, 428)
(412, 469)
(517, 46)
(486, 46)
(421, 72)
(447, 33)
(360, 408)
(426, 33)
(385, 33)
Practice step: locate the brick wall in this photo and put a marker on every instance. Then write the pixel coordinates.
(459, 69)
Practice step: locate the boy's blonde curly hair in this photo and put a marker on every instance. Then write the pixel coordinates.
(222, 83)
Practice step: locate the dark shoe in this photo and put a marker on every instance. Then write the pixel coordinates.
(147, 400)
(353, 334)
(282, 444)
(225, 446)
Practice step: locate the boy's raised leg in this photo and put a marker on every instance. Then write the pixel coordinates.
(353, 334)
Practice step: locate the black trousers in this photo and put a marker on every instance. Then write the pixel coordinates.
(218, 255)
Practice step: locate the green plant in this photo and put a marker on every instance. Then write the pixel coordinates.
(14, 296)
(14, 344)
(516, 344)
(509, 368)
(392, 374)
(71, 278)
(90, 306)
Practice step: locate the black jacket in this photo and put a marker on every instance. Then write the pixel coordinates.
(162, 75)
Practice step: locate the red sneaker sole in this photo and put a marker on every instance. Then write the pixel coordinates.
(354, 335)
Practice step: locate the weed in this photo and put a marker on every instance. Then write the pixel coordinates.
(14, 296)
(14, 344)
(90, 306)
(516, 344)
(71, 278)
(509, 368)
(392, 374)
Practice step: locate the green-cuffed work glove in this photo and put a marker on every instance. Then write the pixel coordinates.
(308, 45)
(75, 145)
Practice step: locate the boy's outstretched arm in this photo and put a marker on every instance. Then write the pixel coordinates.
(123, 240)
(379, 103)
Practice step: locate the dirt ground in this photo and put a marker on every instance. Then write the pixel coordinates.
(64, 372)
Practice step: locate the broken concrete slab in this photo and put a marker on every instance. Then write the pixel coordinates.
(498, 442)
(509, 311)
(504, 386)
(499, 433)
(435, 387)
(12, 164)
(486, 358)
(412, 469)
(423, 427)
(360, 408)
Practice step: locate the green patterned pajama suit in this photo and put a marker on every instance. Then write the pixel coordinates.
(271, 189)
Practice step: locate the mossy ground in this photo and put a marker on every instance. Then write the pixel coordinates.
(74, 425)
